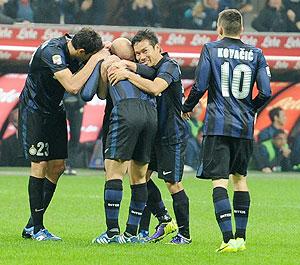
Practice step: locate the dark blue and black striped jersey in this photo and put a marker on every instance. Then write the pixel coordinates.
(228, 69)
(42, 92)
(172, 128)
(126, 90)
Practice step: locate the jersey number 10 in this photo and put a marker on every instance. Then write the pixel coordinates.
(241, 80)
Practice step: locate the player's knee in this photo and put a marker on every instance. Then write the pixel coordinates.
(174, 187)
(56, 172)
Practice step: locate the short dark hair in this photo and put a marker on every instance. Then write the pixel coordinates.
(231, 20)
(87, 39)
(146, 34)
(274, 112)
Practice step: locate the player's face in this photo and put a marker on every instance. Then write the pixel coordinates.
(82, 56)
(146, 54)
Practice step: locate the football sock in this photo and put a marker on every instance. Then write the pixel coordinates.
(113, 192)
(223, 212)
(155, 203)
(181, 210)
(241, 205)
(145, 220)
(35, 191)
(139, 197)
(49, 189)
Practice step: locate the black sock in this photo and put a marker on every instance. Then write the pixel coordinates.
(113, 192)
(35, 191)
(49, 189)
(241, 205)
(139, 197)
(181, 210)
(155, 203)
(145, 220)
(223, 212)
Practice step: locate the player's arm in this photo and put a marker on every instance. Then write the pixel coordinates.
(263, 83)
(140, 69)
(103, 80)
(166, 74)
(74, 82)
(201, 82)
(155, 87)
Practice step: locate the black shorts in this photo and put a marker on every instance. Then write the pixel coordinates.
(168, 161)
(224, 155)
(43, 136)
(132, 130)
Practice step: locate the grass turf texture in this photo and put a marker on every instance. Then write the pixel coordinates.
(76, 214)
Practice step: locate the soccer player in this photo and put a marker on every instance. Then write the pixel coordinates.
(228, 69)
(42, 125)
(131, 134)
(169, 148)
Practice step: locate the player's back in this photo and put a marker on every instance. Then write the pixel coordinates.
(42, 92)
(234, 68)
(124, 90)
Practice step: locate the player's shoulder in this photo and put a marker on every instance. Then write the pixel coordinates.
(168, 60)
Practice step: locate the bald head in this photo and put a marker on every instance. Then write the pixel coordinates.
(122, 48)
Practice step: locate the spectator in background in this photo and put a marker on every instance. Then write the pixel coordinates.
(20, 10)
(4, 18)
(70, 9)
(173, 11)
(203, 15)
(278, 119)
(11, 154)
(46, 11)
(74, 110)
(91, 12)
(293, 11)
(244, 6)
(192, 152)
(14, 11)
(273, 18)
(142, 13)
(274, 154)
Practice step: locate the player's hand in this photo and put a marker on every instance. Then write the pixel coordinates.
(101, 55)
(186, 116)
(120, 64)
(116, 75)
(266, 170)
(107, 44)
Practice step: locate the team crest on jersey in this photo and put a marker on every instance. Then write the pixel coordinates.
(32, 150)
(57, 59)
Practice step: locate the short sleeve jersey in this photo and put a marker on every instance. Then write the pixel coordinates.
(172, 128)
(42, 92)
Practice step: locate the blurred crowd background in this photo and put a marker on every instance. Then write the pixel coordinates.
(267, 16)
(275, 149)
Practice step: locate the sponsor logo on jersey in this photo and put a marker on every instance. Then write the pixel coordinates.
(166, 172)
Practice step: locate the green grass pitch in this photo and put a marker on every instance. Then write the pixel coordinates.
(76, 214)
